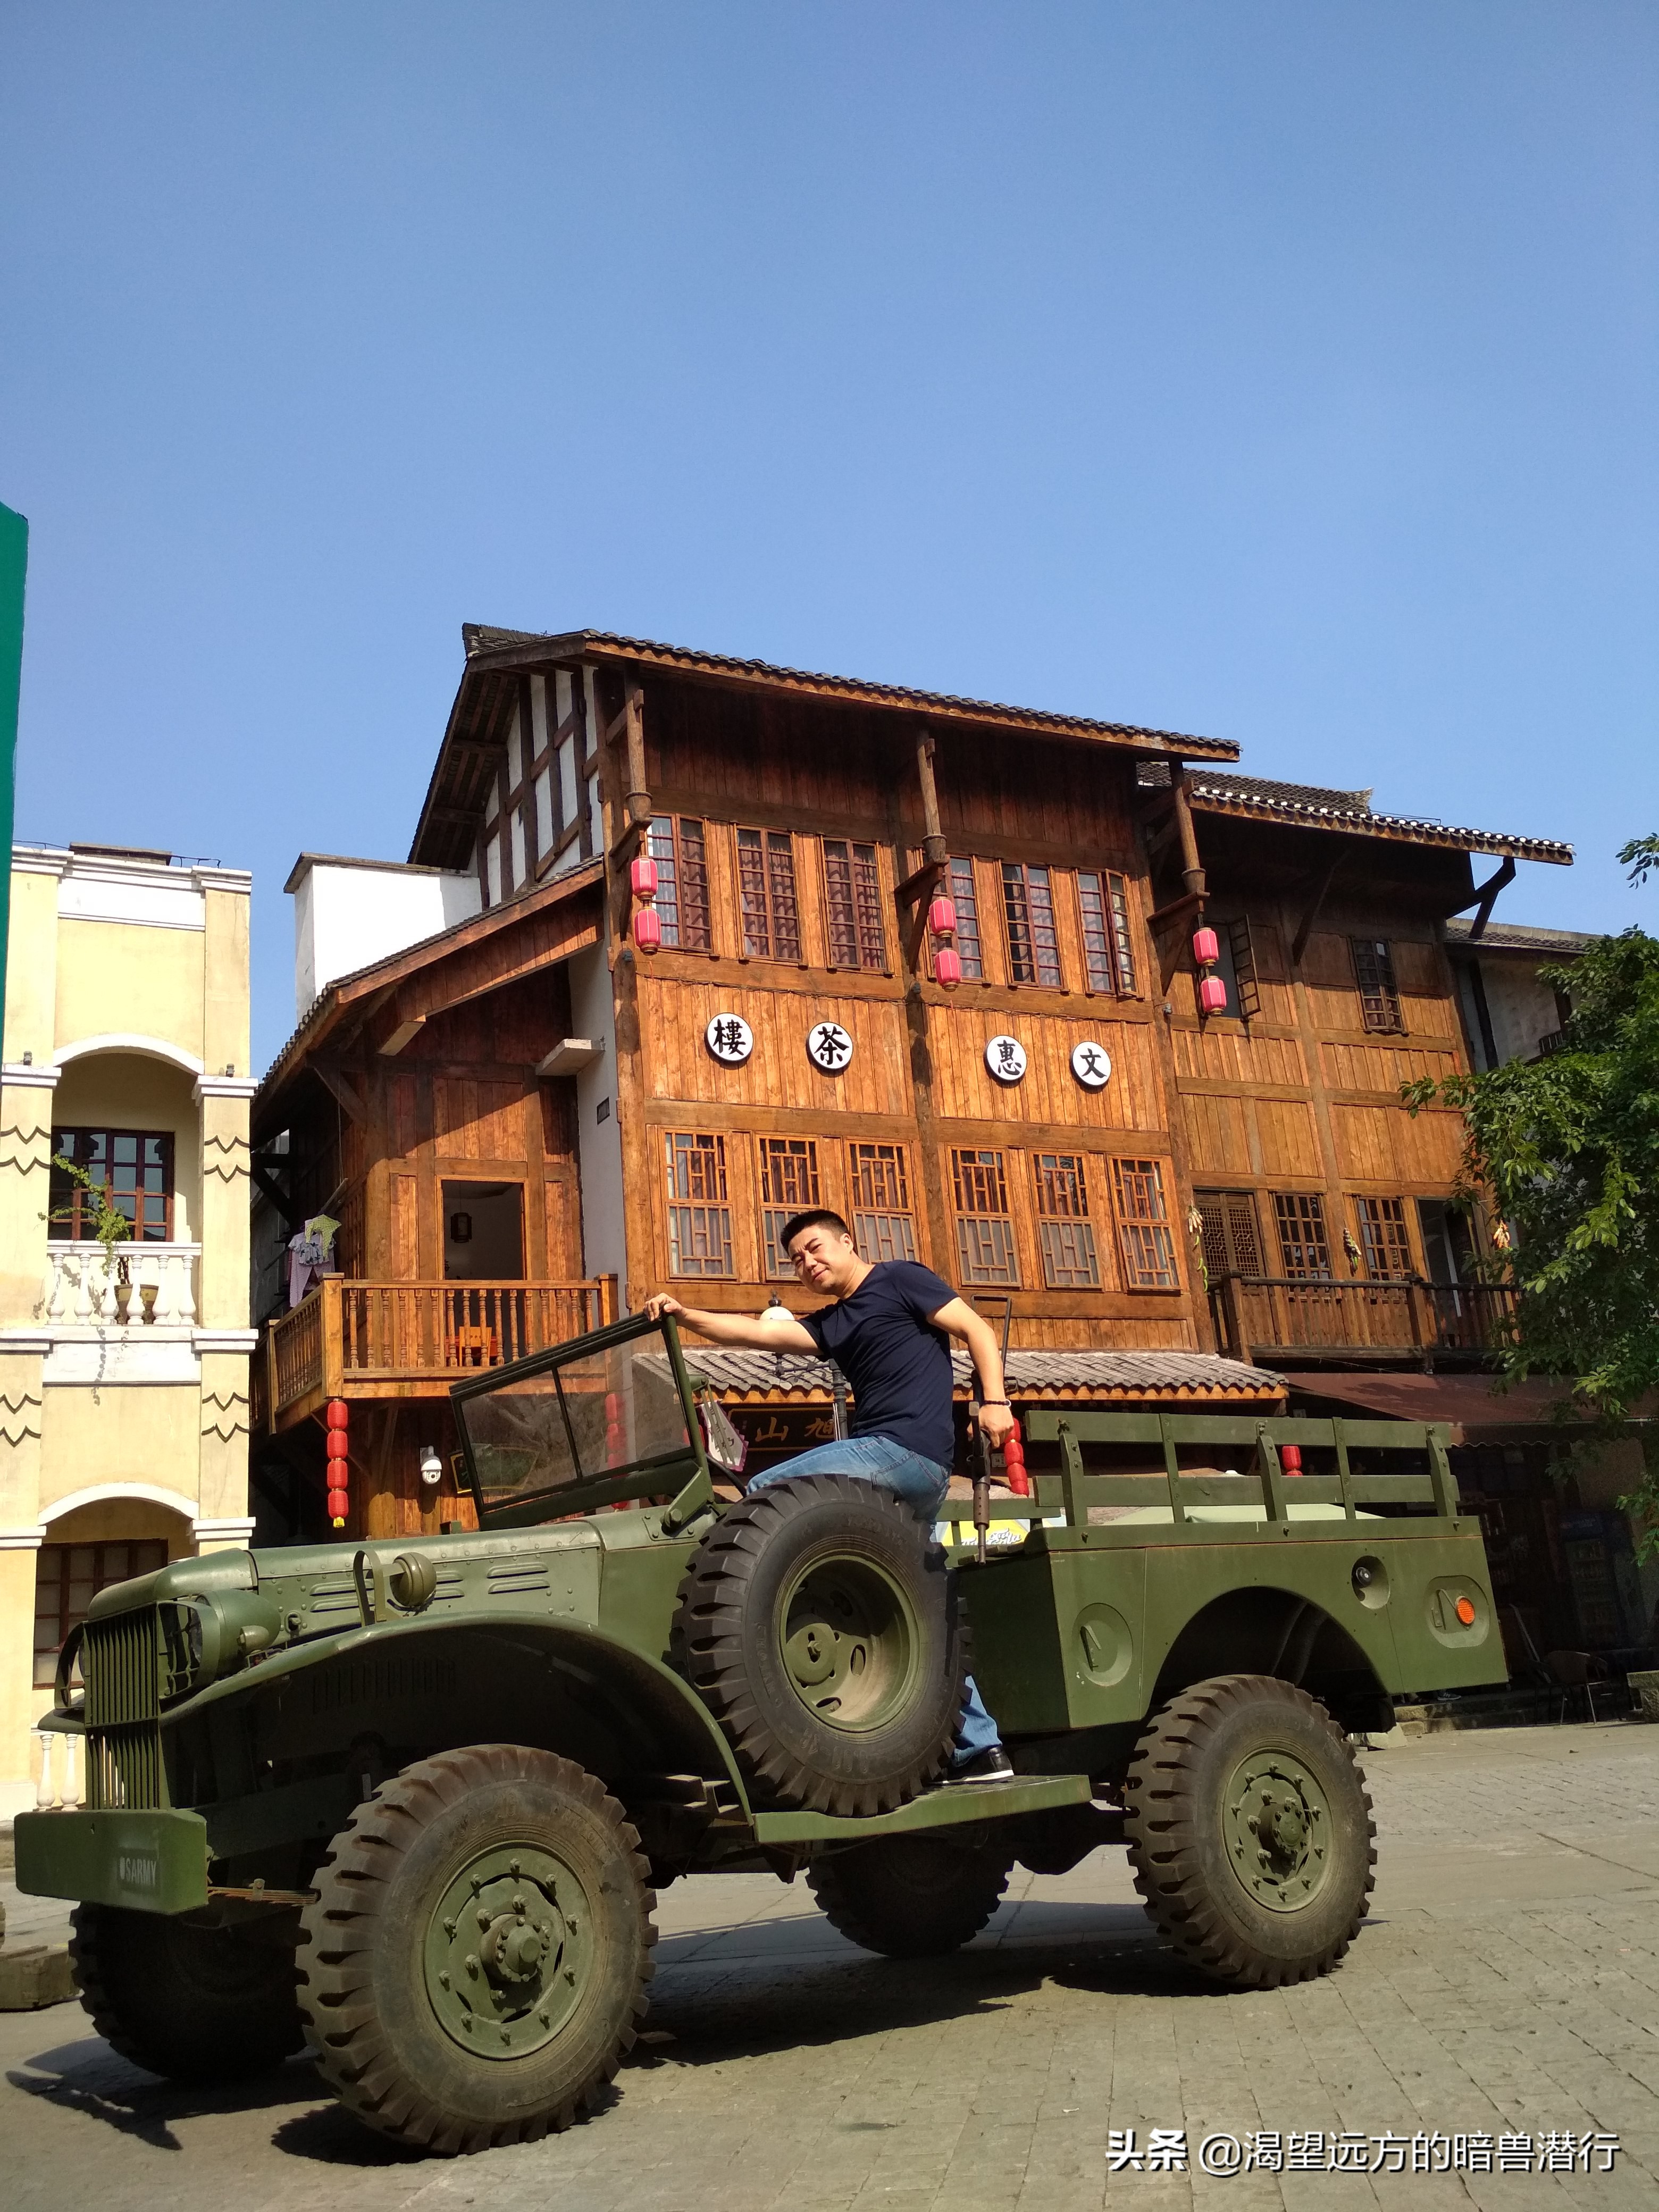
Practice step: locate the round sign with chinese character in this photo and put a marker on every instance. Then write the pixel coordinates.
(828, 1047)
(1091, 1064)
(1006, 1058)
(730, 1039)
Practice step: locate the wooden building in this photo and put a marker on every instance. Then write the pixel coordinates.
(526, 1122)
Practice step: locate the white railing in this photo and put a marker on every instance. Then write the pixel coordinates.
(62, 1788)
(84, 1285)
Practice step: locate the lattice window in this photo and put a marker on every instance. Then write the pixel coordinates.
(970, 950)
(789, 1185)
(1383, 1239)
(1379, 995)
(986, 1251)
(1303, 1249)
(678, 846)
(884, 1227)
(766, 886)
(1065, 1232)
(67, 1578)
(1028, 908)
(699, 1216)
(853, 902)
(1108, 956)
(134, 1167)
(1143, 1226)
(1232, 1238)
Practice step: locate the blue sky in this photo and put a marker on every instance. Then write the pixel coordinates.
(1282, 373)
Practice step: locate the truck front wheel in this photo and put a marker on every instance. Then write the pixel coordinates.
(1250, 1832)
(472, 1967)
(194, 2004)
(911, 1897)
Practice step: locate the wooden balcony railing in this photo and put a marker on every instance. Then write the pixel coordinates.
(348, 1334)
(1266, 1313)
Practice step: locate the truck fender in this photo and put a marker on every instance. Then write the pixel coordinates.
(643, 1696)
(1264, 1630)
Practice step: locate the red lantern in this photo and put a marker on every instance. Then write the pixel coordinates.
(337, 1444)
(942, 917)
(338, 1415)
(643, 877)
(647, 929)
(1013, 1464)
(1289, 1458)
(947, 969)
(338, 1506)
(1213, 995)
(1206, 949)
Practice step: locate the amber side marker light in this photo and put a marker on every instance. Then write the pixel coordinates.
(1465, 1610)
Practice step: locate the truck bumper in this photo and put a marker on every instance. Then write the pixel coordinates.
(148, 1862)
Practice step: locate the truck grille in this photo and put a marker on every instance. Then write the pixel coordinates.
(120, 1661)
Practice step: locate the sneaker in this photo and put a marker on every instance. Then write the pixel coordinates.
(992, 1765)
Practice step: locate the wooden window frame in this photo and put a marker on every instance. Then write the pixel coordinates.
(679, 843)
(65, 1192)
(1380, 1009)
(860, 900)
(776, 850)
(1108, 956)
(1302, 1211)
(1018, 908)
(1377, 1242)
(1225, 1251)
(969, 938)
(1146, 1240)
(105, 1572)
(972, 1162)
(886, 1159)
(686, 1146)
(776, 1205)
(1063, 1221)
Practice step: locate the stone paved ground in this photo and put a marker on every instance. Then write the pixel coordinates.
(1508, 1981)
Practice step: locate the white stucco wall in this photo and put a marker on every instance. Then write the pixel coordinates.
(348, 913)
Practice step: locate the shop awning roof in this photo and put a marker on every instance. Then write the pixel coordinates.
(1469, 1402)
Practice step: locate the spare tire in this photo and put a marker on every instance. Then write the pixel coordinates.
(819, 1620)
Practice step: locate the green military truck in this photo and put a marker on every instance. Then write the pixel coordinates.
(408, 1800)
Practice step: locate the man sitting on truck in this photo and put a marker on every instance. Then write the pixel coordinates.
(889, 1330)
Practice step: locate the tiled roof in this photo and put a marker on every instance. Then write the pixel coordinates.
(1266, 787)
(1353, 814)
(482, 644)
(774, 1378)
(1520, 937)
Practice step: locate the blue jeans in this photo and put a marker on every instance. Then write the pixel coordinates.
(921, 1483)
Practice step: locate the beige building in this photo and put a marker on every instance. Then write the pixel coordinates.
(123, 1406)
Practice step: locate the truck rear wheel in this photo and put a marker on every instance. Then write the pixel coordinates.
(1250, 1832)
(194, 2004)
(473, 1966)
(911, 1897)
(818, 1621)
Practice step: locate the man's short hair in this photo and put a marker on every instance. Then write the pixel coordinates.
(810, 1219)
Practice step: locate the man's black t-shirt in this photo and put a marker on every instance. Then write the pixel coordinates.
(897, 1362)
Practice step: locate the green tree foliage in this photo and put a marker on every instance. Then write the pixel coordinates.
(1564, 1151)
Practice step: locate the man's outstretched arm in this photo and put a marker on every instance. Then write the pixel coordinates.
(736, 1329)
(959, 1318)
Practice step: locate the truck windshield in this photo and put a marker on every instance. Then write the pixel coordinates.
(586, 1414)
